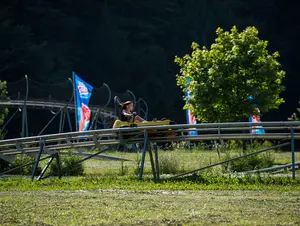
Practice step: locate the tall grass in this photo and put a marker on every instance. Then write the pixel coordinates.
(169, 163)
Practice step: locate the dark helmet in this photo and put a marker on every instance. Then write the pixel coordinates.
(124, 104)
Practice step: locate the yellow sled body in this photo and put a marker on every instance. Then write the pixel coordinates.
(120, 124)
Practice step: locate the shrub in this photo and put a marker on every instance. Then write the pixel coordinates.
(3, 164)
(258, 144)
(66, 161)
(235, 144)
(26, 170)
(169, 164)
(123, 169)
(258, 161)
(238, 144)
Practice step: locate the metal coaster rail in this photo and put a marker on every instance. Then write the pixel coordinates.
(239, 126)
(30, 94)
(54, 143)
(38, 104)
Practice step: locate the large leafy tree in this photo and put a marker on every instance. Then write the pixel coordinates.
(221, 79)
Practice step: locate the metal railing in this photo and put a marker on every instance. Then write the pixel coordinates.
(285, 131)
(236, 128)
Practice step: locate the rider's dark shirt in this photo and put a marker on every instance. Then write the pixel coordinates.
(126, 116)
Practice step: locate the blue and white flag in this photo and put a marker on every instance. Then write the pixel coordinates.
(83, 93)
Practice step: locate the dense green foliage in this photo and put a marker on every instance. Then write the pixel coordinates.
(252, 162)
(222, 78)
(67, 162)
(19, 161)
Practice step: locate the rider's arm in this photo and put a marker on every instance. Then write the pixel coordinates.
(127, 114)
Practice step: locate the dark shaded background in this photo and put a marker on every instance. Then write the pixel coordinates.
(131, 44)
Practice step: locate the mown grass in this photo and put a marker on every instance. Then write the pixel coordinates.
(123, 207)
(110, 193)
(205, 181)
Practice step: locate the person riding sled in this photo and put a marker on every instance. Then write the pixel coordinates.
(127, 114)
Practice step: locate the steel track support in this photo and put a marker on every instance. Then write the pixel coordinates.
(51, 120)
(156, 162)
(8, 121)
(143, 154)
(63, 121)
(42, 145)
(293, 153)
(46, 167)
(152, 162)
(69, 120)
(60, 120)
(94, 119)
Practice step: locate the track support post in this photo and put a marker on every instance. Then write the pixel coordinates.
(58, 164)
(143, 154)
(152, 163)
(46, 167)
(293, 153)
(42, 145)
(69, 120)
(61, 121)
(156, 162)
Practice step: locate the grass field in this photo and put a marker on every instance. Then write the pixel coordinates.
(183, 159)
(111, 194)
(121, 207)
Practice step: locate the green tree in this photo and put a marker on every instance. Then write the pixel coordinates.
(238, 65)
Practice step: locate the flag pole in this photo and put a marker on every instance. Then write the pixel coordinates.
(75, 103)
